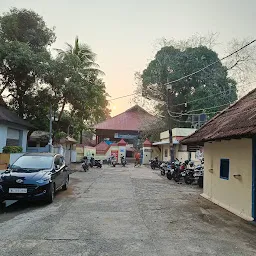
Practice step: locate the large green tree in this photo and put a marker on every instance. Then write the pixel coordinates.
(24, 38)
(170, 64)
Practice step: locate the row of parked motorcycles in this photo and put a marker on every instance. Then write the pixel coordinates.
(90, 163)
(177, 170)
(97, 163)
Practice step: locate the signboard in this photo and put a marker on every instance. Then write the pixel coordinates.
(148, 150)
(114, 153)
(122, 150)
(125, 136)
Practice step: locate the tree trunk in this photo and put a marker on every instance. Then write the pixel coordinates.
(61, 113)
(81, 137)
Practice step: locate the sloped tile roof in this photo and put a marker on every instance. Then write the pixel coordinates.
(133, 119)
(102, 147)
(236, 121)
(7, 115)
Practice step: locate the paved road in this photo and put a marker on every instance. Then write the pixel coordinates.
(124, 212)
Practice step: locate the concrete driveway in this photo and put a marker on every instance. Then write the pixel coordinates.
(124, 211)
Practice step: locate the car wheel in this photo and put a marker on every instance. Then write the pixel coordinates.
(200, 182)
(50, 194)
(65, 186)
(2, 206)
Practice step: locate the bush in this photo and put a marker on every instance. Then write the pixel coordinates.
(12, 149)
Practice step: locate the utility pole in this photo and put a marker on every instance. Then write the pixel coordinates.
(170, 124)
(50, 133)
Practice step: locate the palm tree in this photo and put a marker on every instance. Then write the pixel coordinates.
(81, 55)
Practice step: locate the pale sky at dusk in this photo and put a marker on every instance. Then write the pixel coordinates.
(124, 33)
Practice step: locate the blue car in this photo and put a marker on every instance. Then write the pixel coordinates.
(34, 176)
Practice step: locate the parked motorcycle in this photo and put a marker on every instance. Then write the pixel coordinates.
(94, 162)
(113, 161)
(155, 164)
(194, 174)
(172, 166)
(163, 168)
(85, 165)
(123, 161)
(180, 171)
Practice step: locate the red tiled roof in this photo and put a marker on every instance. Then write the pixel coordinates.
(102, 148)
(121, 143)
(236, 121)
(147, 143)
(133, 119)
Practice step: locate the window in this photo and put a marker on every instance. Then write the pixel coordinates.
(13, 137)
(224, 169)
(166, 152)
(33, 162)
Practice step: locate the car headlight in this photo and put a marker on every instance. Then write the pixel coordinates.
(42, 181)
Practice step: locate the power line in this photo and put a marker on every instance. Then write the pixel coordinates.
(172, 114)
(213, 95)
(128, 95)
(211, 64)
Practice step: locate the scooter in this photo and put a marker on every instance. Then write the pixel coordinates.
(113, 162)
(163, 168)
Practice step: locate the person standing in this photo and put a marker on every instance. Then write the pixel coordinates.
(137, 159)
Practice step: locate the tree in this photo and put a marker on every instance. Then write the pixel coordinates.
(23, 54)
(26, 26)
(80, 87)
(170, 64)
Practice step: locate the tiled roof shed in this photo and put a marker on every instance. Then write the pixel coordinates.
(236, 121)
(7, 116)
(133, 119)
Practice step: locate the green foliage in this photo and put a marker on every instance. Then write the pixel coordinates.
(23, 54)
(35, 80)
(12, 149)
(170, 64)
(26, 27)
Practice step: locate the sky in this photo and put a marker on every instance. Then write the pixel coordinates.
(124, 34)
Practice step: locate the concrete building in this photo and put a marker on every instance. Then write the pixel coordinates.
(229, 141)
(180, 151)
(13, 129)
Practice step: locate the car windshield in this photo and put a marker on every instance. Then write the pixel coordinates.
(34, 163)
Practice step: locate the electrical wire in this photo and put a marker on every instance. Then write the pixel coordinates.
(210, 96)
(211, 64)
(128, 95)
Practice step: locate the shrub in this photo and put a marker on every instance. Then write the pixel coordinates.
(12, 149)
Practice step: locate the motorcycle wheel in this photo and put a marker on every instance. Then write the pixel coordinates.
(201, 182)
(176, 177)
(169, 175)
(188, 179)
(162, 172)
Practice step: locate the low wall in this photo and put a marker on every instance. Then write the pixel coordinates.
(6, 159)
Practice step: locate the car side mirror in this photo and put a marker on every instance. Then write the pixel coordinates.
(57, 167)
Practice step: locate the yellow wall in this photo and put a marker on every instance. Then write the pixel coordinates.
(156, 153)
(234, 194)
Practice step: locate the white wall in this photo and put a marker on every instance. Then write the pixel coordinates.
(234, 194)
